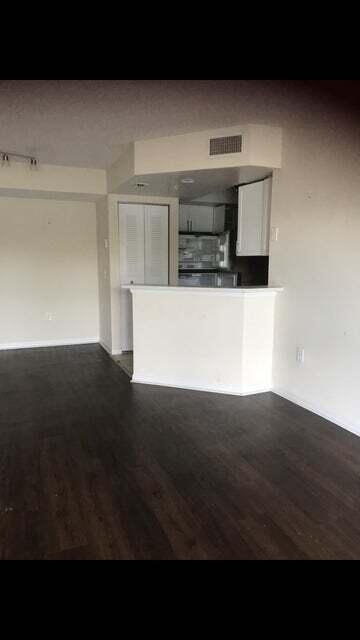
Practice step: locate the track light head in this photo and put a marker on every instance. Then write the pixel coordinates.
(5, 158)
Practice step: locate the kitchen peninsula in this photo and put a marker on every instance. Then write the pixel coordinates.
(210, 339)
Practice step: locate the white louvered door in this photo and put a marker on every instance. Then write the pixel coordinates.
(132, 265)
(156, 244)
(131, 231)
(144, 256)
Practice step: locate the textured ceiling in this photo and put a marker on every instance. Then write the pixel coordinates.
(84, 123)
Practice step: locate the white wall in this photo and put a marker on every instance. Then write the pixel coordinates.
(102, 223)
(316, 205)
(52, 179)
(48, 265)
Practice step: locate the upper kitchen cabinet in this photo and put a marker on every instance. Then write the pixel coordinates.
(201, 218)
(254, 219)
(219, 219)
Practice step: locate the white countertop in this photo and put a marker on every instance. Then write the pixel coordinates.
(237, 291)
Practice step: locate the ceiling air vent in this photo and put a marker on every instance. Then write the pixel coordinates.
(228, 144)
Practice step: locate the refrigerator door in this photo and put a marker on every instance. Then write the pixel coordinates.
(198, 252)
(223, 261)
(204, 251)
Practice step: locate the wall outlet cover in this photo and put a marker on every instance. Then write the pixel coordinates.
(300, 355)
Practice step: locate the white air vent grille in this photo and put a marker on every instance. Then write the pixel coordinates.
(228, 144)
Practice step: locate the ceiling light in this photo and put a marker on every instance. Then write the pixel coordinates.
(187, 180)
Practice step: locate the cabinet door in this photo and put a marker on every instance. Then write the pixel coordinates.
(219, 219)
(267, 213)
(253, 219)
(156, 244)
(183, 217)
(201, 218)
(131, 233)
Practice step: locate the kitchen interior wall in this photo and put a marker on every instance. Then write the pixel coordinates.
(48, 272)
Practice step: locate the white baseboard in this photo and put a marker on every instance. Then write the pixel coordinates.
(225, 390)
(47, 343)
(315, 409)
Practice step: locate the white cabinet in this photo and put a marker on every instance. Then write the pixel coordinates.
(195, 218)
(219, 219)
(201, 218)
(184, 217)
(254, 219)
(144, 259)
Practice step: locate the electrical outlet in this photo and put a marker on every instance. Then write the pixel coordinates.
(48, 315)
(274, 234)
(300, 355)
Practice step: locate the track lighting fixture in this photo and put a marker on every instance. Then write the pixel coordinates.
(5, 158)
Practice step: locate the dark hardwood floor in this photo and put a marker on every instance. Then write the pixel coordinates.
(92, 467)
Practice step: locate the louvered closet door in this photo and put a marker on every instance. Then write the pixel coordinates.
(132, 265)
(131, 232)
(156, 244)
